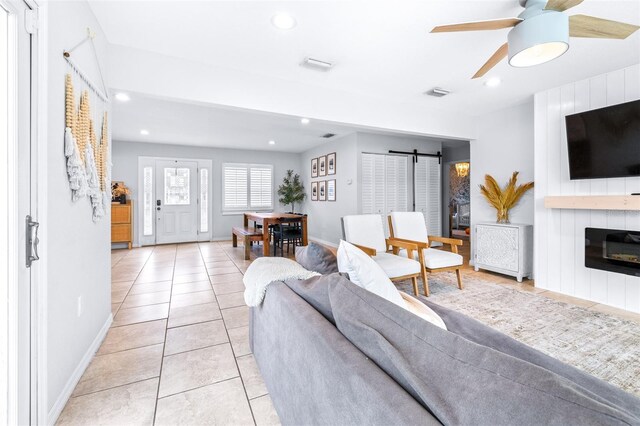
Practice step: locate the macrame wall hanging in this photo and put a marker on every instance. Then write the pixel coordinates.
(88, 158)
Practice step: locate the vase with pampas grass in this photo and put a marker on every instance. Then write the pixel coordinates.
(503, 199)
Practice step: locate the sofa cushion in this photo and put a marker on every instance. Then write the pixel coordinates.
(434, 258)
(315, 291)
(477, 332)
(460, 381)
(318, 258)
(396, 266)
(365, 272)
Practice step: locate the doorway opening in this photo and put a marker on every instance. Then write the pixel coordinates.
(456, 189)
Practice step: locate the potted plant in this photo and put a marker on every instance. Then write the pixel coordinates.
(292, 190)
(119, 192)
(505, 199)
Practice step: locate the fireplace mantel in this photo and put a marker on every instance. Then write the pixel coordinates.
(593, 202)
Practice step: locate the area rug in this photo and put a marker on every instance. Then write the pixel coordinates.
(600, 344)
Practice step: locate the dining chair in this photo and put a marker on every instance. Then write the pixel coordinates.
(367, 233)
(411, 227)
(289, 231)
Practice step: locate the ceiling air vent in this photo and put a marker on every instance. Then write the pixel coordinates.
(328, 135)
(438, 92)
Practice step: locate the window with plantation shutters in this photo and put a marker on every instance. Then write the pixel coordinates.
(247, 187)
(261, 188)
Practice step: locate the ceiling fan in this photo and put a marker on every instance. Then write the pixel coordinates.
(541, 32)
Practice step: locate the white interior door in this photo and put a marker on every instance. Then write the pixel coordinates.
(176, 201)
(428, 193)
(19, 398)
(384, 185)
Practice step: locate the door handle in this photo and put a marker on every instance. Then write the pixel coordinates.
(32, 241)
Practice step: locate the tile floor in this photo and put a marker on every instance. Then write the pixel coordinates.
(178, 350)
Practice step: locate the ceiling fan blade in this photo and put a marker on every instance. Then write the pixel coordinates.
(592, 27)
(499, 55)
(562, 5)
(494, 24)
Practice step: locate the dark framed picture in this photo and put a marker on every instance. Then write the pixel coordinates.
(314, 191)
(322, 190)
(314, 167)
(331, 190)
(331, 164)
(322, 166)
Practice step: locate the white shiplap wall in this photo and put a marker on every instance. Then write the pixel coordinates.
(559, 234)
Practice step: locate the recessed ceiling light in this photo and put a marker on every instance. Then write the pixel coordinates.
(122, 97)
(272, 142)
(492, 82)
(283, 21)
(304, 120)
(144, 132)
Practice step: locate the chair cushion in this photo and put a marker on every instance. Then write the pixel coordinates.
(364, 272)
(396, 266)
(409, 226)
(365, 230)
(318, 258)
(434, 258)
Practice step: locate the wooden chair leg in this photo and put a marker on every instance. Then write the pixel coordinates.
(247, 248)
(425, 281)
(459, 275)
(414, 281)
(234, 237)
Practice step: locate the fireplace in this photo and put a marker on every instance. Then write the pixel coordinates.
(613, 250)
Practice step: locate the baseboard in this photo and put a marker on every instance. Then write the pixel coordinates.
(57, 408)
(323, 242)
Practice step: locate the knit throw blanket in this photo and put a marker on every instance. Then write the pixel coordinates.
(266, 270)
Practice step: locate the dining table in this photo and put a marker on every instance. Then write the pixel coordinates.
(273, 218)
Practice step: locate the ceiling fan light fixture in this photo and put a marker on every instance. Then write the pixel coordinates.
(539, 39)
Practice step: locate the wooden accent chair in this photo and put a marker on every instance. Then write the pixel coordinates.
(367, 233)
(411, 227)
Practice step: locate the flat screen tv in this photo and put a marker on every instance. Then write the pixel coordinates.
(605, 142)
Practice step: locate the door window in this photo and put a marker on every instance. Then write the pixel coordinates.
(204, 200)
(176, 186)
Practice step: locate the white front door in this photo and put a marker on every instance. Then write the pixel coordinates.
(176, 201)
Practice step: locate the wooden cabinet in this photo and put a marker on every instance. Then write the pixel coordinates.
(122, 223)
(504, 248)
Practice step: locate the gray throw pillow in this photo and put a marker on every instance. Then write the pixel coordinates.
(462, 382)
(317, 258)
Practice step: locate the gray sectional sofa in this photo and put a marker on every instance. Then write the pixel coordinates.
(333, 353)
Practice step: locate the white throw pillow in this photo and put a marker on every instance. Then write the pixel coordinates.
(366, 273)
(423, 311)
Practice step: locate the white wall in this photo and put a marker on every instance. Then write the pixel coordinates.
(559, 234)
(504, 145)
(78, 250)
(164, 76)
(125, 168)
(324, 216)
